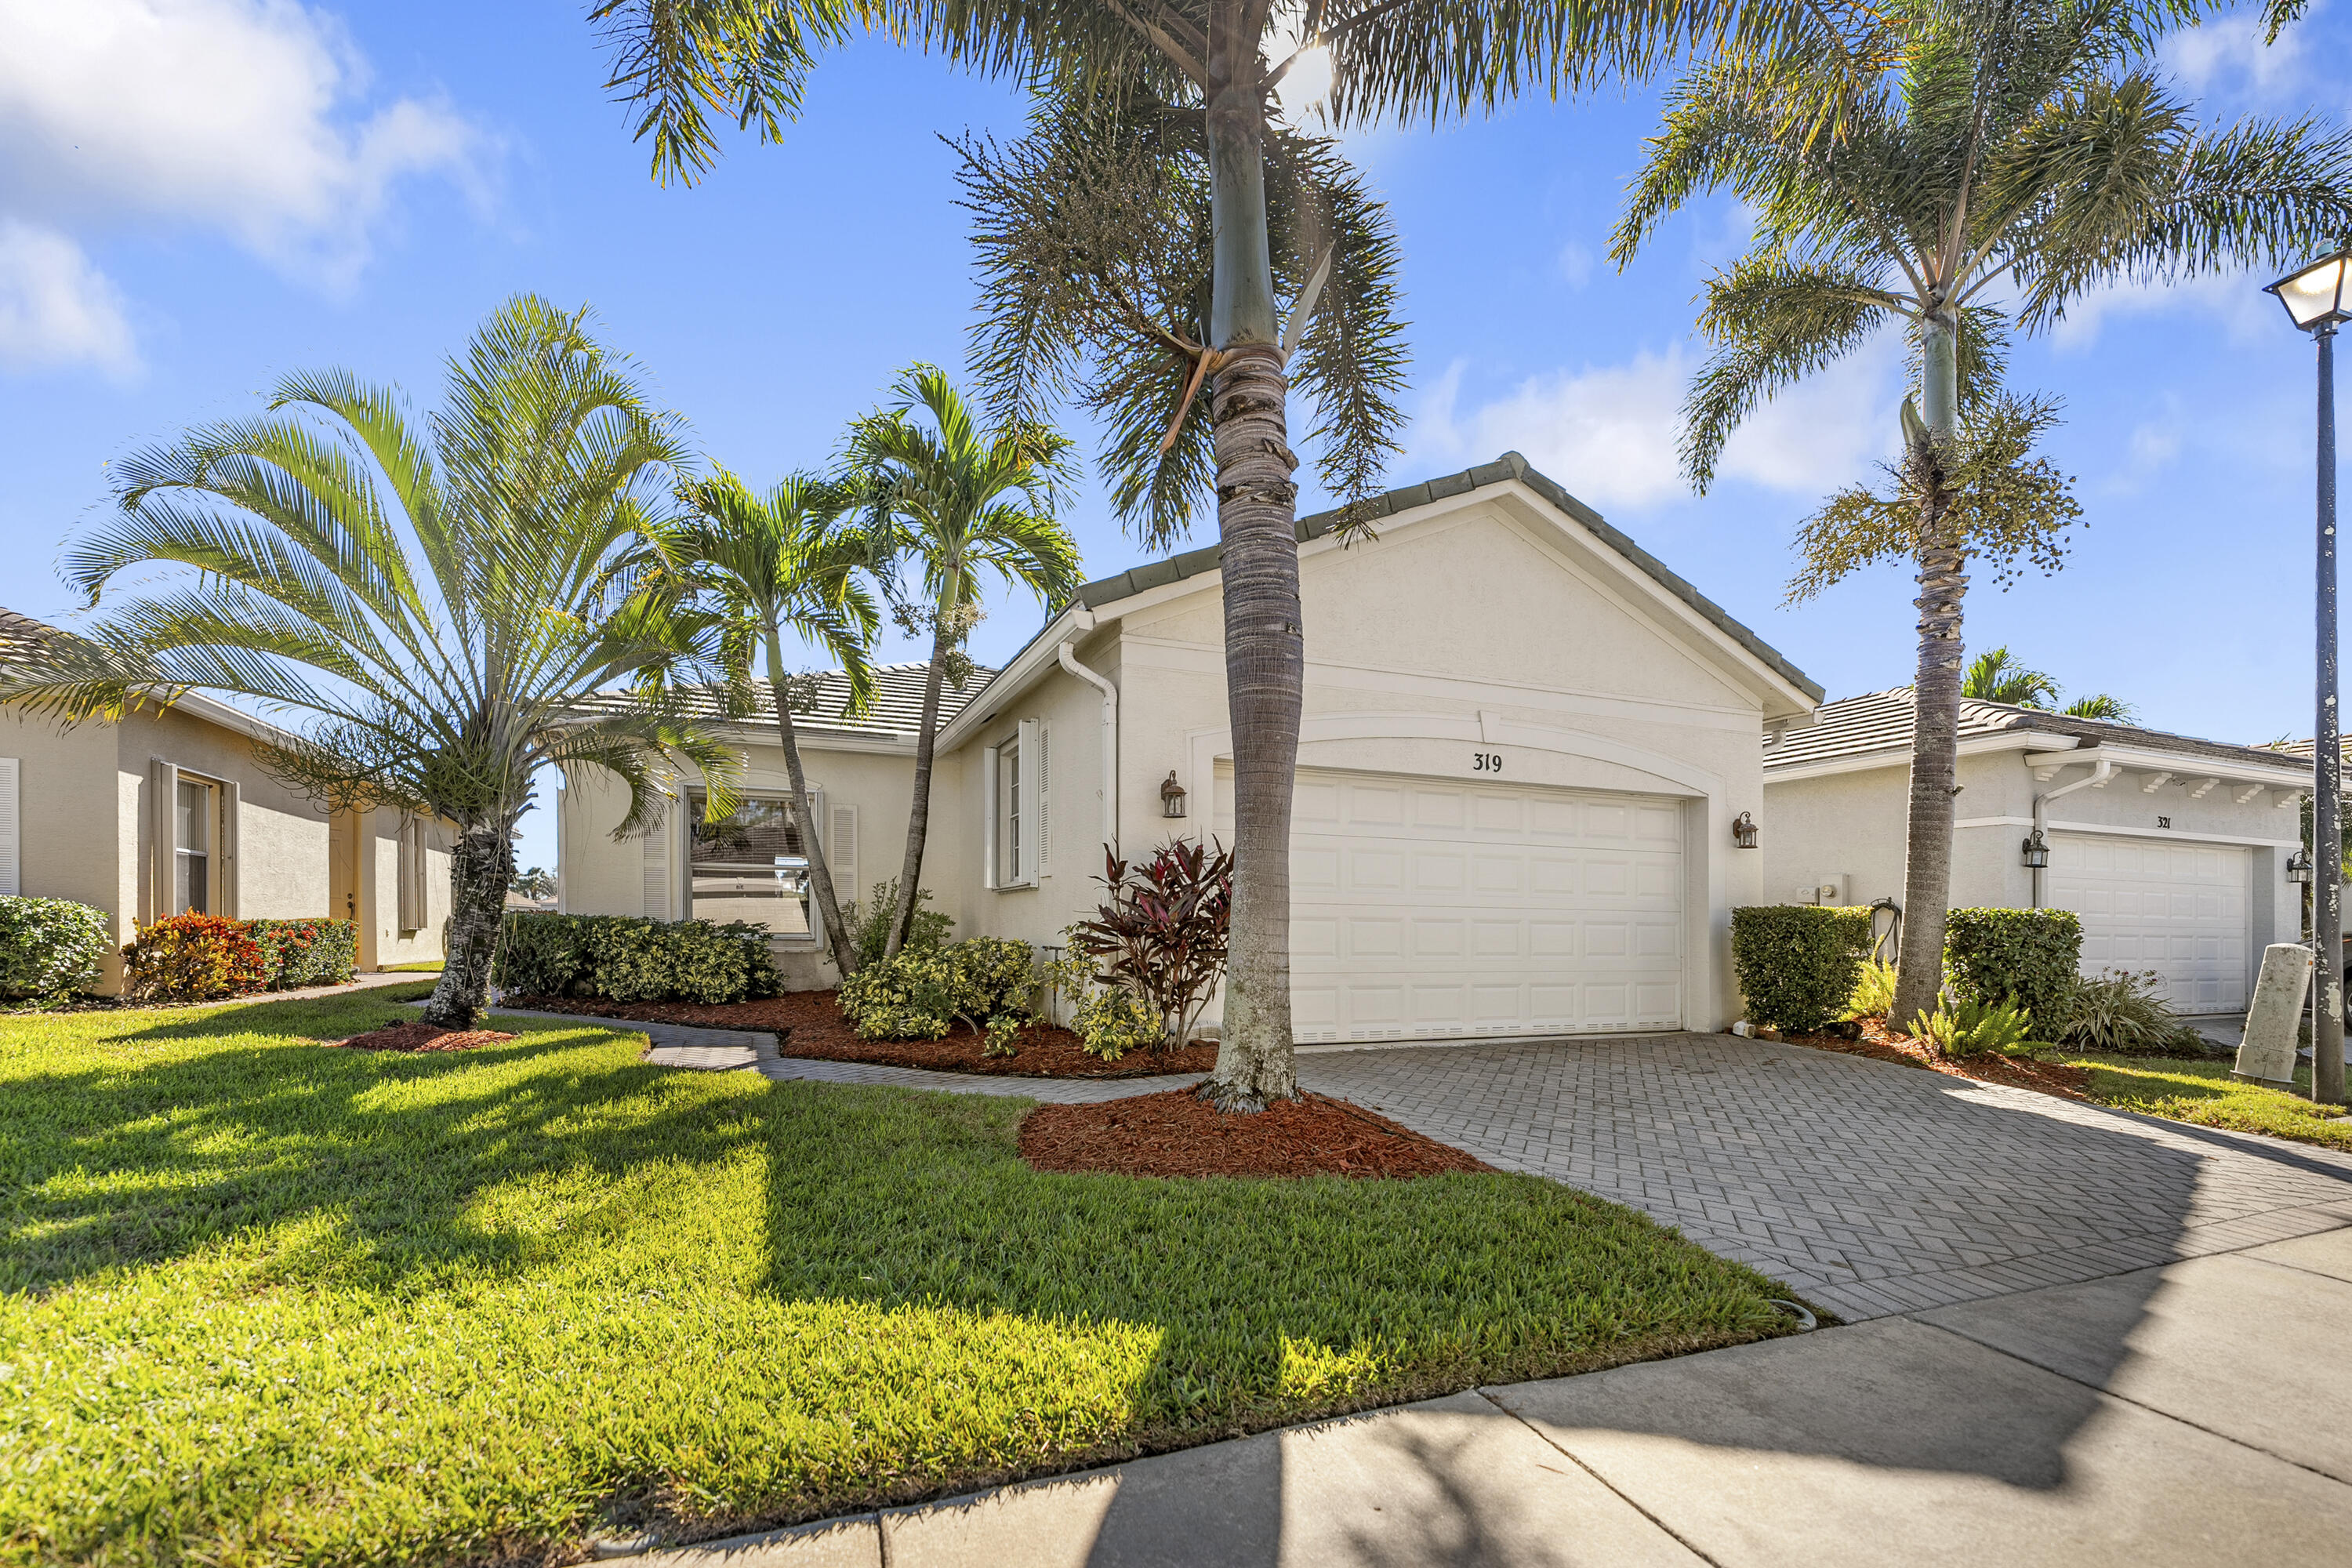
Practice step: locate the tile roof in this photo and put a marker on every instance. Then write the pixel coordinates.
(897, 709)
(1509, 466)
(1881, 722)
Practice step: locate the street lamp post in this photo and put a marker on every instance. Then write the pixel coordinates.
(2314, 301)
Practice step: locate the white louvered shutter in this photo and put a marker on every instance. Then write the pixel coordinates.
(12, 832)
(1045, 799)
(163, 826)
(841, 853)
(1032, 791)
(229, 874)
(658, 875)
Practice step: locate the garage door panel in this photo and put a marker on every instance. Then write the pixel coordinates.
(2181, 909)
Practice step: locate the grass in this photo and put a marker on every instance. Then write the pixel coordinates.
(262, 1302)
(2202, 1091)
(422, 966)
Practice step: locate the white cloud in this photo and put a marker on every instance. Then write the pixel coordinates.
(2227, 54)
(55, 308)
(1611, 434)
(1575, 264)
(2234, 299)
(243, 118)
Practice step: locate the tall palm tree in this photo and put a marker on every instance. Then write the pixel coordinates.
(1214, 65)
(440, 606)
(2018, 153)
(773, 565)
(951, 502)
(1995, 677)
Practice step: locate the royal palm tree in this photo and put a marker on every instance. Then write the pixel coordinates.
(440, 606)
(950, 502)
(2017, 153)
(1208, 70)
(766, 567)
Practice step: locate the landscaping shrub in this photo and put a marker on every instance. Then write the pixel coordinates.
(870, 922)
(1964, 1026)
(1990, 956)
(625, 958)
(2121, 1012)
(1798, 962)
(1162, 936)
(922, 993)
(1111, 1022)
(50, 948)
(1873, 991)
(306, 952)
(193, 958)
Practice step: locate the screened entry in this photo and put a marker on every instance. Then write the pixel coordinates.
(750, 867)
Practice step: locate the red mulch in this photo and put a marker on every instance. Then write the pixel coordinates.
(1176, 1134)
(809, 1024)
(2048, 1077)
(420, 1036)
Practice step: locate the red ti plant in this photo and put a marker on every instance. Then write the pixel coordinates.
(1162, 935)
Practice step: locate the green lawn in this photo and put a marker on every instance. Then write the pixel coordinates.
(422, 966)
(2203, 1091)
(262, 1302)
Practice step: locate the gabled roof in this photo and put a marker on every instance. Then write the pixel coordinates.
(1510, 466)
(897, 710)
(1881, 722)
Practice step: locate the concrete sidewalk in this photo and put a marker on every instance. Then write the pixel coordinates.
(2187, 1414)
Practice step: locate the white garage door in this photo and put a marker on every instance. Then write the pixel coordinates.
(2179, 909)
(1422, 909)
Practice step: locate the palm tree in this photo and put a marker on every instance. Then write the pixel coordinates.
(2017, 154)
(1995, 677)
(953, 501)
(774, 565)
(2099, 705)
(1209, 70)
(442, 607)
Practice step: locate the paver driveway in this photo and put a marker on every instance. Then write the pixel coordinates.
(1872, 1188)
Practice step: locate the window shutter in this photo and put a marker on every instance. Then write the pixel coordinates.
(658, 878)
(162, 794)
(1045, 799)
(225, 873)
(12, 833)
(1032, 789)
(991, 765)
(409, 890)
(841, 853)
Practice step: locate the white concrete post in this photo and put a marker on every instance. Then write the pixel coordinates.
(2267, 1053)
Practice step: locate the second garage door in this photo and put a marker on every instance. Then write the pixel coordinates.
(2179, 909)
(1424, 908)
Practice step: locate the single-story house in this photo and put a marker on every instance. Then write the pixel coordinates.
(2172, 849)
(165, 812)
(1525, 745)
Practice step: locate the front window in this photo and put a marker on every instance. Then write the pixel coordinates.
(192, 869)
(751, 865)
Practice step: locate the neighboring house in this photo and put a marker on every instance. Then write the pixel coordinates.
(165, 812)
(2172, 849)
(1525, 745)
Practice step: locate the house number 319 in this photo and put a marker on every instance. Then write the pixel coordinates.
(1486, 761)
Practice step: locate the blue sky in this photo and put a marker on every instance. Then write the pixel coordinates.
(197, 196)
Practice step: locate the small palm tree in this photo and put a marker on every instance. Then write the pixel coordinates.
(2018, 153)
(442, 606)
(1995, 677)
(951, 502)
(2099, 705)
(772, 566)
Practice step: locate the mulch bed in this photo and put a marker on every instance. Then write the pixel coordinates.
(422, 1037)
(1175, 1133)
(2048, 1077)
(809, 1024)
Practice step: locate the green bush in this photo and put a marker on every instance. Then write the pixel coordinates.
(1965, 1026)
(1798, 962)
(623, 958)
(922, 994)
(1873, 991)
(50, 948)
(2121, 1012)
(1113, 1021)
(870, 922)
(306, 952)
(2027, 955)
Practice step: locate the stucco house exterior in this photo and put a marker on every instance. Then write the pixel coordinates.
(1525, 744)
(163, 812)
(2172, 849)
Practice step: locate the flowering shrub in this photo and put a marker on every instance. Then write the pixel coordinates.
(193, 958)
(920, 994)
(49, 948)
(306, 952)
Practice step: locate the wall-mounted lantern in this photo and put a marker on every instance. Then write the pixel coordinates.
(1172, 796)
(1743, 831)
(2298, 866)
(2037, 850)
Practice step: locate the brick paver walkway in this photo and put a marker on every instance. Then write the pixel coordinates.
(1870, 1187)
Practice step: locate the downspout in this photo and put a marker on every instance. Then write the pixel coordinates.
(1084, 621)
(2099, 775)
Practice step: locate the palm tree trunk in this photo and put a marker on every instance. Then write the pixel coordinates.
(918, 814)
(828, 906)
(1936, 685)
(481, 868)
(1265, 660)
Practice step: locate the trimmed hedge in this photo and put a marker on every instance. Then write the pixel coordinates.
(50, 948)
(193, 958)
(920, 994)
(626, 958)
(2029, 956)
(1798, 962)
(306, 952)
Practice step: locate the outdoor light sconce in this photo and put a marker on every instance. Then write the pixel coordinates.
(2298, 866)
(1743, 831)
(2037, 850)
(2315, 297)
(1172, 796)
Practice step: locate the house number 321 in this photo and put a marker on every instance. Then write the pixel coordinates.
(1486, 761)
